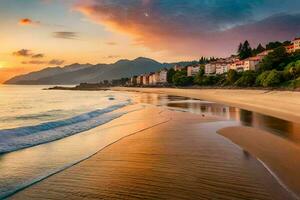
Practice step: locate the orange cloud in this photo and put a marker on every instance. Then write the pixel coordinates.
(28, 22)
(190, 27)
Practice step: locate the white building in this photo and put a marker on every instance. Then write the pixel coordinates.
(163, 74)
(193, 70)
(210, 68)
(146, 79)
(222, 67)
(247, 64)
(178, 68)
(296, 43)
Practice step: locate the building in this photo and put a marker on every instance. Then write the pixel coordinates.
(289, 48)
(296, 43)
(133, 80)
(210, 68)
(146, 79)
(247, 64)
(163, 76)
(151, 79)
(193, 70)
(139, 80)
(178, 68)
(251, 63)
(222, 67)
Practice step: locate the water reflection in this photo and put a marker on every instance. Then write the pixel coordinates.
(286, 129)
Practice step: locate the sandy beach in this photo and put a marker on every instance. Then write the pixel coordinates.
(281, 104)
(280, 155)
(163, 155)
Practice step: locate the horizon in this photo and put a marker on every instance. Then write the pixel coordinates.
(48, 33)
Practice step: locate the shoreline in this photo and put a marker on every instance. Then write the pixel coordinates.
(281, 104)
(283, 161)
(169, 157)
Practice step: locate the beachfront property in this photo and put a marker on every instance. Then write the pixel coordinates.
(146, 79)
(296, 43)
(163, 74)
(178, 68)
(139, 80)
(210, 68)
(222, 67)
(193, 70)
(246, 65)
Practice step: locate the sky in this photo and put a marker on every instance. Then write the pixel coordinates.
(35, 34)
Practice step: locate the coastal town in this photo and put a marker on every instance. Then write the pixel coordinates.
(211, 68)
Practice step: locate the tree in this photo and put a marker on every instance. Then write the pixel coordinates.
(247, 79)
(170, 74)
(273, 45)
(273, 79)
(180, 79)
(274, 60)
(261, 78)
(244, 50)
(232, 76)
(258, 50)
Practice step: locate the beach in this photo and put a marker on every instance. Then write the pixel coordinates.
(165, 154)
(281, 104)
(155, 152)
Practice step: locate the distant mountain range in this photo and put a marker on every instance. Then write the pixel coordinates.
(88, 73)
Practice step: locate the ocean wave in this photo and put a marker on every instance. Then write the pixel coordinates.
(23, 137)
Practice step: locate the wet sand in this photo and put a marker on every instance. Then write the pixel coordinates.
(281, 104)
(172, 155)
(280, 155)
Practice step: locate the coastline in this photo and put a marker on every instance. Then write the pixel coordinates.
(281, 104)
(283, 160)
(167, 160)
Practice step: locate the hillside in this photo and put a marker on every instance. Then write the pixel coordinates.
(77, 73)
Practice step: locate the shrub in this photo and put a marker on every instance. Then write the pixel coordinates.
(247, 79)
(261, 78)
(273, 79)
(181, 79)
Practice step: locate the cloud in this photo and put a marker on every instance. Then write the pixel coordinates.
(65, 35)
(56, 62)
(28, 22)
(198, 27)
(27, 53)
(23, 53)
(39, 55)
(112, 56)
(111, 43)
(34, 62)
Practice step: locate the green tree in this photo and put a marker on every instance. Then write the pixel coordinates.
(244, 50)
(261, 78)
(232, 76)
(273, 79)
(273, 45)
(180, 79)
(247, 79)
(258, 50)
(274, 60)
(170, 74)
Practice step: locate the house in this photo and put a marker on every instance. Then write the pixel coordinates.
(222, 67)
(247, 64)
(193, 70)
(139, 80)
(289, 48)
(296, 43)
(146, 79)
(133, 80)
(151, 77)
(210, 68)
(163, 74)
(178, 68)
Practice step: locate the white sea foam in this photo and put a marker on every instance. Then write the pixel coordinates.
(23, 137)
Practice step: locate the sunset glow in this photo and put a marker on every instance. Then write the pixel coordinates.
(56, 32)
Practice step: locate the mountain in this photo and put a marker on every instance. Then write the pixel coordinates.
(77, 73)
